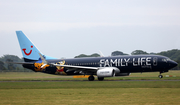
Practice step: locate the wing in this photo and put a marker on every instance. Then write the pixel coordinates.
(77, 68)
(70, 67)
(80, 69)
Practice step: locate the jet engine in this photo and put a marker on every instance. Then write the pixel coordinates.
(123, 74)
(107, 72)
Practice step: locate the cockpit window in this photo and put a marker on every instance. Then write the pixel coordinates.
(164, 60)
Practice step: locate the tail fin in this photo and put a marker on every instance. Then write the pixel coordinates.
(29, 50)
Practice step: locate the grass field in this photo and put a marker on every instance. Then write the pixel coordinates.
(48, 89)
(24, 76)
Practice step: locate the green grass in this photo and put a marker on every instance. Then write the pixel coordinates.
(99, 96)
(87, 84)
(90, 93)
(25, 76)
(109, 92)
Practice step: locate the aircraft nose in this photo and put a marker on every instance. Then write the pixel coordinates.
(173, 64)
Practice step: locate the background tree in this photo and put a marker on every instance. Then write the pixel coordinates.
(2, 66)
(83, 55)
(117, 53)
(138, 52)
(173, 54)
(152, 53)
(10, 65)
(94, 55)
(10, 58)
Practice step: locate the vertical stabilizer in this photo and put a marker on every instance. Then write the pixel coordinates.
(28, 49)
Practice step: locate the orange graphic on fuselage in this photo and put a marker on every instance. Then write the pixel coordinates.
(38, 66)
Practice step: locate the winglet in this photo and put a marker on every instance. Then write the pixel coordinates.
(101, 54)
(43, 59)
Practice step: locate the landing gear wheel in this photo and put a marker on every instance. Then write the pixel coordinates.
(100, 78)
(160, 76)
(91, 78)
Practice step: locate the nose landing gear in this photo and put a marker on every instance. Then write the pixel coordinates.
(160, 76)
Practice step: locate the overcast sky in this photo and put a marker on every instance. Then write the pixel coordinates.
(67, 28)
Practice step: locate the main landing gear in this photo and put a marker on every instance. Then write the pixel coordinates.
(100, 78)
(91, 78)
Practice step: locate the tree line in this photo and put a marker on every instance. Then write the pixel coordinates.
(173, 54)
(10, 67)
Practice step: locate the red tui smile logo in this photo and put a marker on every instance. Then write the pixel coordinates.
(26, 52)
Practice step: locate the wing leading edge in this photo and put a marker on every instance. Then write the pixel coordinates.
(69, 67)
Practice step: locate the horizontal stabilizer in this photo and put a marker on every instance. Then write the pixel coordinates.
(28, 63)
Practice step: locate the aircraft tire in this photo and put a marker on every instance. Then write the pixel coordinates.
(91, 78)
(160, 76)
(100, 78)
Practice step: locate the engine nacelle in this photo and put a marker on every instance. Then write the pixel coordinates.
(107, 72)
(123, 74)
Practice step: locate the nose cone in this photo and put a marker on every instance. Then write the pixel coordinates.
(172, 64)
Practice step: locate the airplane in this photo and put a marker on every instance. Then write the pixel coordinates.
(100, 66)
